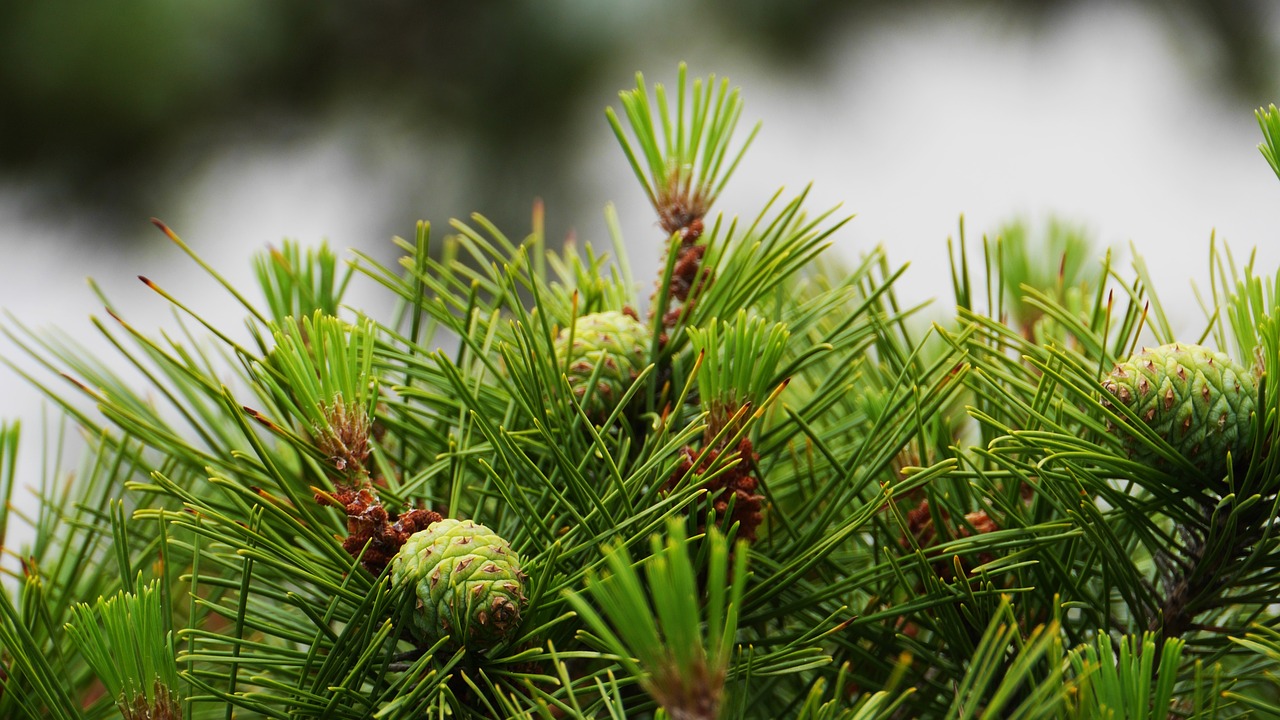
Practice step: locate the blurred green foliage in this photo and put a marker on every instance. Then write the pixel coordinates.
(95, 97)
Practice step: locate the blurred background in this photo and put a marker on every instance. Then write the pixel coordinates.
(241, 122)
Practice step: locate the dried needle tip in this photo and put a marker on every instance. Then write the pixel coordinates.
(165, 229)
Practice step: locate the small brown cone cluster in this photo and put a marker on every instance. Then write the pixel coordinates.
(920, 527)
(373, 534)
(688, 272)
(736, 485)
(345, 439)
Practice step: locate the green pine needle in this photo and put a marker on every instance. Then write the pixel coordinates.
(1269, 121)
(298, 282)
(683, 160)
(679, 666)
(740, 361)
(124, 640)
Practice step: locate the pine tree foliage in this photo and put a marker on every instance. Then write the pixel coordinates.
(1269, 120)
(768, 490)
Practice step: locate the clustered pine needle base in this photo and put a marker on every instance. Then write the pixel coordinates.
(773, 491)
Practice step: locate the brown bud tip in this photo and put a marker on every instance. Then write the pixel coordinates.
(75, 382)
(164, 228)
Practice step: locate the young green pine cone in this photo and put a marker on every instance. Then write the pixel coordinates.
(613, 341)
(1198, 400)
(467, 580)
